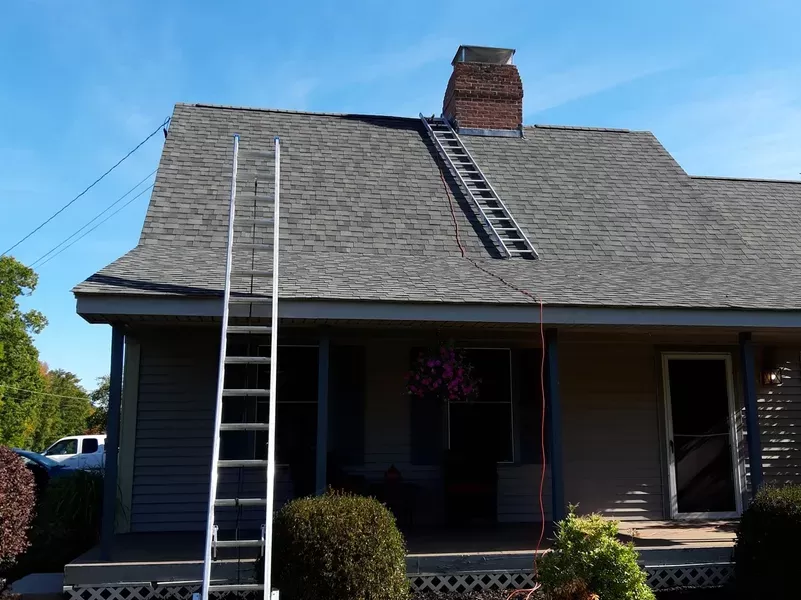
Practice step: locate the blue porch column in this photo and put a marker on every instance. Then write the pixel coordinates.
(553, 412)
(323, 354)
(112, 443)
(747, 369)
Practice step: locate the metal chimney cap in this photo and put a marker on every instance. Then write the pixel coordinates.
(484, 54)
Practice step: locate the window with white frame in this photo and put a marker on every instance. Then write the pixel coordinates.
(486, 423)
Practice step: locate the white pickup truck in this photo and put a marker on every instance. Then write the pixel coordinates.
(79, 451)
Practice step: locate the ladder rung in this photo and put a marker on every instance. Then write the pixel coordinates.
(252, 221)
(244, 426)
(258, 153)
(231, 464)
(236, 587)
(234, 502)
(247, 360)
(254, 246)
(499, 219)
(515, 251)
(237, 329)
(506, 229)
(251, 273)
(250, 300)
(245, 392)
(239, 543)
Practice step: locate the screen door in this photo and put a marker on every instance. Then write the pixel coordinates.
(701, 436)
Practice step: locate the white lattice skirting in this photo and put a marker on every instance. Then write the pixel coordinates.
(666, 577)
(671, 577)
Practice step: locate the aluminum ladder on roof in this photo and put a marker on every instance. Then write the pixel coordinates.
(511, 239)
(250, 318)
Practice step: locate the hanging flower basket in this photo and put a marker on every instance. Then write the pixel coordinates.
(443, 373)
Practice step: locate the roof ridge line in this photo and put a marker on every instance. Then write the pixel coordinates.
(581, 128)
(755, 179)
(291, 111)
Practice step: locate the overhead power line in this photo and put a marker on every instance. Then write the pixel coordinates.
(11, 387)
(147, 189)
(96, 217)
(93, 184)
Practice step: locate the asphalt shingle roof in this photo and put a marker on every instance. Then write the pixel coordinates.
(365, 216)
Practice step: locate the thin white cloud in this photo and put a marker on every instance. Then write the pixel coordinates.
(406, 60)
(744, 125)
(548, 88)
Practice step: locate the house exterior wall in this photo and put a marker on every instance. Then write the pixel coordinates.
(388, 443)
(779, 408)
(611, 428)
(613, 419)
(174, 424)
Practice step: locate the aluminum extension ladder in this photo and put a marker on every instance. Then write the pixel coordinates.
(251, 290)
(511, 239)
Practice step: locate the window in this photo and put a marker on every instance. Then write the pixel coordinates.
(485, 424)
(64, 447)
(296, 435)
(89, 446)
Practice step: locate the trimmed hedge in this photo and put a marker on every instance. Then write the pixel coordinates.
(17, 500)
(67, 522)
(339, 547)
(588, 561)
(767, 553)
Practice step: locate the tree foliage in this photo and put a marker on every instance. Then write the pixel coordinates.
(64, 409)
(96, 423)
(20, 375)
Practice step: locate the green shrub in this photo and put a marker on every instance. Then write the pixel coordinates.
(67, 522)
(339, 547)
(766, 553)
(586, 555)
(17, 499)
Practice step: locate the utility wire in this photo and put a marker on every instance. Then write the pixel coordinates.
(96, 217)
(147, 189)
(93, 184)
(46, 393)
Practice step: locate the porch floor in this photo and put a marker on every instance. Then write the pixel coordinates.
(173, 557)
(522, 537)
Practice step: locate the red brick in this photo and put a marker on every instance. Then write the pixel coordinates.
(484, 96)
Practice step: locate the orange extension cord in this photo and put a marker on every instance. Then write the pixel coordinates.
(542, 379)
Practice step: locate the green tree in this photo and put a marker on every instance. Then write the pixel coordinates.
(20, 375)
(65, 408)
(96, 423)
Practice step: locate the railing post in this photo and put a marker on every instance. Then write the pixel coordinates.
(553, 411)
(747, 369)
(323, 353)
(112, 443)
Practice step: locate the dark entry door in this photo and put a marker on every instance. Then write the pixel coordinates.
(701, 446)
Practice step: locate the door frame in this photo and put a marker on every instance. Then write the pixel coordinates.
(734, 436)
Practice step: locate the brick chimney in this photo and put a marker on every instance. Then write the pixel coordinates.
(485, 93)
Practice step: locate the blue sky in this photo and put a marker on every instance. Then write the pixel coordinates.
(83, 82)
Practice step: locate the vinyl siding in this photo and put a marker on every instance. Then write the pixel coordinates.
(174, 423)
(611, 431)
(779, 408)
